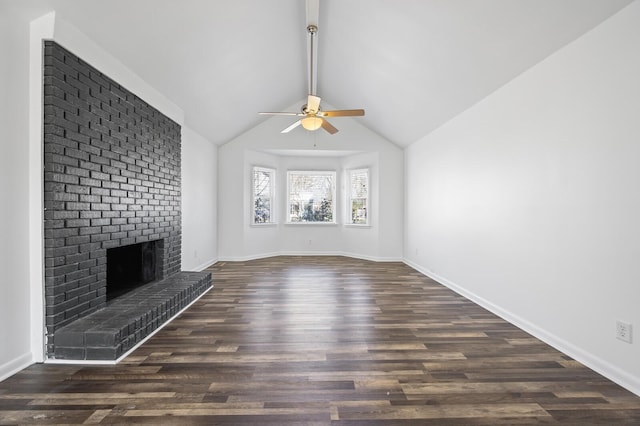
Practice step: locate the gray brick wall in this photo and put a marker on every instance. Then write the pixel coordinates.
(111, 178)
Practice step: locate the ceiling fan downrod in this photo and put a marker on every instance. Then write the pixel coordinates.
(312, 30)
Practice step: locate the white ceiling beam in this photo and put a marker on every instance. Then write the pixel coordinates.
(313, 11)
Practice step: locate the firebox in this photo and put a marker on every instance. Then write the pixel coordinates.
(131, 266)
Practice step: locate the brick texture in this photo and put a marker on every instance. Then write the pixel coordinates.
(109, 333)
(111, 178)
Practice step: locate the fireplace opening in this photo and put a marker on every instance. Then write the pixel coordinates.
(129, 267)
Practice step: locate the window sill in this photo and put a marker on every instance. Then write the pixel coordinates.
(263, 225)
(312, 223)
(355, 225)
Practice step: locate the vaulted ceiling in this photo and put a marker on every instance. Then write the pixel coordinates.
(411, 64)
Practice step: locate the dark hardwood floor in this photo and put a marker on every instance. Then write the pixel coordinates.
(325, 340)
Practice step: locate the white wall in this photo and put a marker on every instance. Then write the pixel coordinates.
(15, 343)
(353, 146)
(199, 188)
(529, 202)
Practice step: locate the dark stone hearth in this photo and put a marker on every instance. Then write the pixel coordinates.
(110, 332)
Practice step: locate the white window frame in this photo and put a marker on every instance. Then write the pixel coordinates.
(351, 197)
(329, 173)
(272, 190)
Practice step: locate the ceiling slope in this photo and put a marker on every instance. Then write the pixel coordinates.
(411, 64)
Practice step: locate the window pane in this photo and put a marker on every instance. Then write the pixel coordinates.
(359, 196)
(359, 184)
(311, 196)
(359, 210)
(263, 180)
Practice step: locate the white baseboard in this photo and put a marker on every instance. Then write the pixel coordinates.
(308, 253)
(608, 370)
(371, 258)
(204, 265)
(247, 258)
(10, 368)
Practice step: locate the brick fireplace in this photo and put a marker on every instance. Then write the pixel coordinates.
(112, 170)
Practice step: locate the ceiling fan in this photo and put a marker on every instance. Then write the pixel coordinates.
(312, 117)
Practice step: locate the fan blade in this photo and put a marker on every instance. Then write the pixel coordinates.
(343, 113)
(313, 104)
(328, 127)
(293, 126)
(282, 113)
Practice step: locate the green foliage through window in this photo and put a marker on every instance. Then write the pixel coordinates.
(359, 196)
(263, 194)
(311, 197)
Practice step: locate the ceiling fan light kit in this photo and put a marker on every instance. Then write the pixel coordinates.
(311, 122)
(312, 117)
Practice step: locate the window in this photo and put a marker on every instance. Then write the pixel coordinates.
(263, 193)
(359, 197)
(311, 197)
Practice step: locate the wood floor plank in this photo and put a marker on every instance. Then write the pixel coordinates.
(325, 340)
